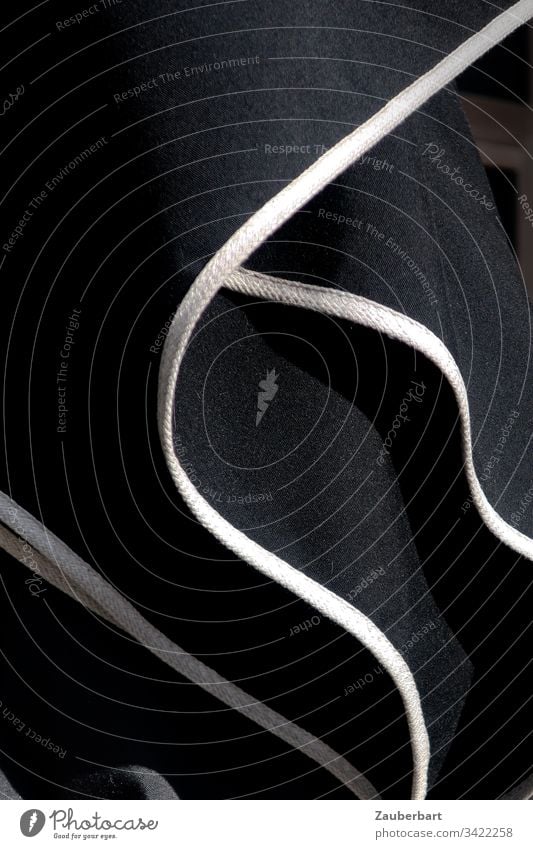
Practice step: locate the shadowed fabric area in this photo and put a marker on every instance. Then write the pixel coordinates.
(144, 135)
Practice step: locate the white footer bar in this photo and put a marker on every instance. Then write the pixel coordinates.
(268, 824)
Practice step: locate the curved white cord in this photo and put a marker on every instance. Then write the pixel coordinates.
(289, 200)
(213, 277)
(397, 326)
(65, 570)
(226, 261)
(60, 566)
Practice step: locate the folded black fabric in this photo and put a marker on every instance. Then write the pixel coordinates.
(138, 139)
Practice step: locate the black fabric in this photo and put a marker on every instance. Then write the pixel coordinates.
(104, 259)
